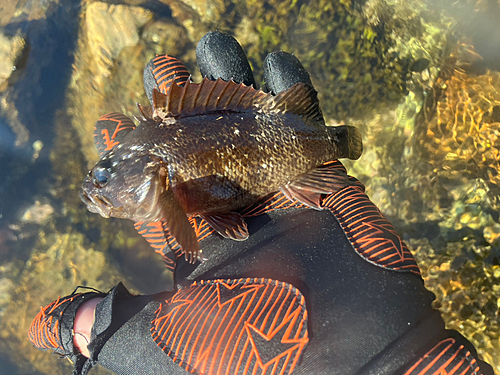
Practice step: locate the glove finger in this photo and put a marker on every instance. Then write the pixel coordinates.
(220, 56)
(160, 72)
(283, 70)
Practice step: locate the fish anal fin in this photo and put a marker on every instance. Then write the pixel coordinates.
(228, 225)
(301, 99)
(309, 187)
(179, 226)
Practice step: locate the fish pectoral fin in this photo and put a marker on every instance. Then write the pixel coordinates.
(179, 226)
(228, 225)
(309, 187)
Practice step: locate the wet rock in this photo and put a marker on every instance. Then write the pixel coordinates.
(110, 28)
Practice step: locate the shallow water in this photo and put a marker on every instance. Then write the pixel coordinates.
(420, 82)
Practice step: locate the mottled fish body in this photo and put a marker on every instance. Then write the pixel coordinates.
(211, 148)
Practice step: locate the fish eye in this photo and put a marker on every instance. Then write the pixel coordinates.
(101, 177)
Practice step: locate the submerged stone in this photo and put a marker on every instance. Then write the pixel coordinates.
(110, 28)
(11, 50)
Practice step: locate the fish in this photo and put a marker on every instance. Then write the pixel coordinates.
(211, 148)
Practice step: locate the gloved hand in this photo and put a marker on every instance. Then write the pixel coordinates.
(334, 291)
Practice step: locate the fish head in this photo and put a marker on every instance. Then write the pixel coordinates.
(126, 187)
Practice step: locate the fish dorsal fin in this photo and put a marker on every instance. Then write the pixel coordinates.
(211, 96)
(146, 112)
(204, 97)
(301, 99)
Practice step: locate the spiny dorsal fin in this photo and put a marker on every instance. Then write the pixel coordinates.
(210, 96)
(204, 97)
(146, 112)
(158, 108)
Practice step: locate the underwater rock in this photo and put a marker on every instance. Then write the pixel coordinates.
(11, 49)
(462, 138)
(361, 56)
(59, 263)
(419, 65)
(189, 19)
(166, 36)
(208, 11)
(351, 62)
(24, 10)
(6, 288)
(109, 79)
(492, 234)
(38, 213)
(417, 29)
(434, 160)
(9, 111)
(110, 28)
(466, 285)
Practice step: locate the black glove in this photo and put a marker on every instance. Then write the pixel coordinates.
(363, 288)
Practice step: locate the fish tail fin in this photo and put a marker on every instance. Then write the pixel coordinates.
(348, 141)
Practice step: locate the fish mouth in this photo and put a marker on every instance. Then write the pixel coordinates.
(144, 208)
(95, 202)
(97, 205)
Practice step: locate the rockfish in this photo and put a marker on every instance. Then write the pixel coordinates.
(208, 149)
